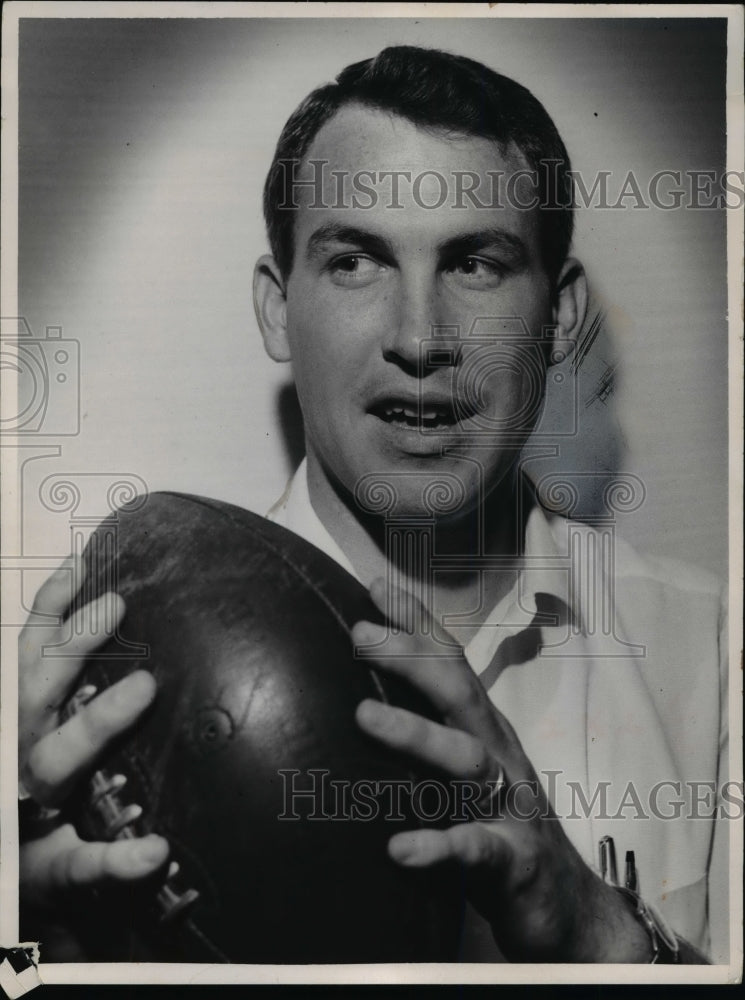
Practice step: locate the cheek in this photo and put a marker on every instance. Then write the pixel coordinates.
(502, 382)
(323, 366)
(529, 297)
(329, 330)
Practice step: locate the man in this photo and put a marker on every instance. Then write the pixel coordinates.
(420, 201)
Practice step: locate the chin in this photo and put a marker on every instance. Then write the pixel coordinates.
(419, 491)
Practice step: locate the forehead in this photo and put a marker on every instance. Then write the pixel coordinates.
(359, 137)
(444, 181)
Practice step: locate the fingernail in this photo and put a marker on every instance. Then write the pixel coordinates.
(369, 633)
(82, 697)
(136, 691)
(63, 570)
(152, 848)
(74, 565)
(372, 713)
(113, 610)
(144, 686)
(402, 849)
(125, 818)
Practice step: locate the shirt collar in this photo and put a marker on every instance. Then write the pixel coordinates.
(294, 510)
(544, 568)
(545, 563)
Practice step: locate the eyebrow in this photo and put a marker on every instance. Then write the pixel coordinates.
(462, 244)
(332, 232)
(492, 237)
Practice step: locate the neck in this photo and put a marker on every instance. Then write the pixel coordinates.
(437, 560)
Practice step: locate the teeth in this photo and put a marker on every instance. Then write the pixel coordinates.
(412, 416)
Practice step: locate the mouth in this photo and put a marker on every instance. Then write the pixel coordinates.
(420, 414)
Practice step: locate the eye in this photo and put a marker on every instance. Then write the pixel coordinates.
(476, 272)
(355, 270)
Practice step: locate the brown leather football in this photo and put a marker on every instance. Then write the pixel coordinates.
(245, 627)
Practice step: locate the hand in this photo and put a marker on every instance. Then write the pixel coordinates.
(525, 877)
(54, 754)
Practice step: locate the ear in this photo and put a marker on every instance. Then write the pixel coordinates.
(570, 305)
(270, 303)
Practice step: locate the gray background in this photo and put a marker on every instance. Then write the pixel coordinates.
(143, 149)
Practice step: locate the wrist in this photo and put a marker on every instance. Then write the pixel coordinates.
(611, 930)
(664, 944)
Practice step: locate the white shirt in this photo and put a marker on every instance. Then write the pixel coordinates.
(626, 686)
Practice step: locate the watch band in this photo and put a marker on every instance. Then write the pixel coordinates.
(665, 949)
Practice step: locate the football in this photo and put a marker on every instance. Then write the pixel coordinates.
(277, 807)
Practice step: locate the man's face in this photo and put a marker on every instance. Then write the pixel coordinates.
(370, 284)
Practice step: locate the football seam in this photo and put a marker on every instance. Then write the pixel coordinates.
(211, 505)
(224, 509)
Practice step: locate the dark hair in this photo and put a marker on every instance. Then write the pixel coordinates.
(435, 90)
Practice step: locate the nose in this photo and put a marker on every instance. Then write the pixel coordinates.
(418, 310)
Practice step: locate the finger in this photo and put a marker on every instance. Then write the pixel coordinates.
(62, 861)
(57, 592)
(94, 623)
(471, 844)
(398, 605)
(45, 680)
(57, 759)
(407, 612)
(447, 681)
(122, 860)
(449, 750)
